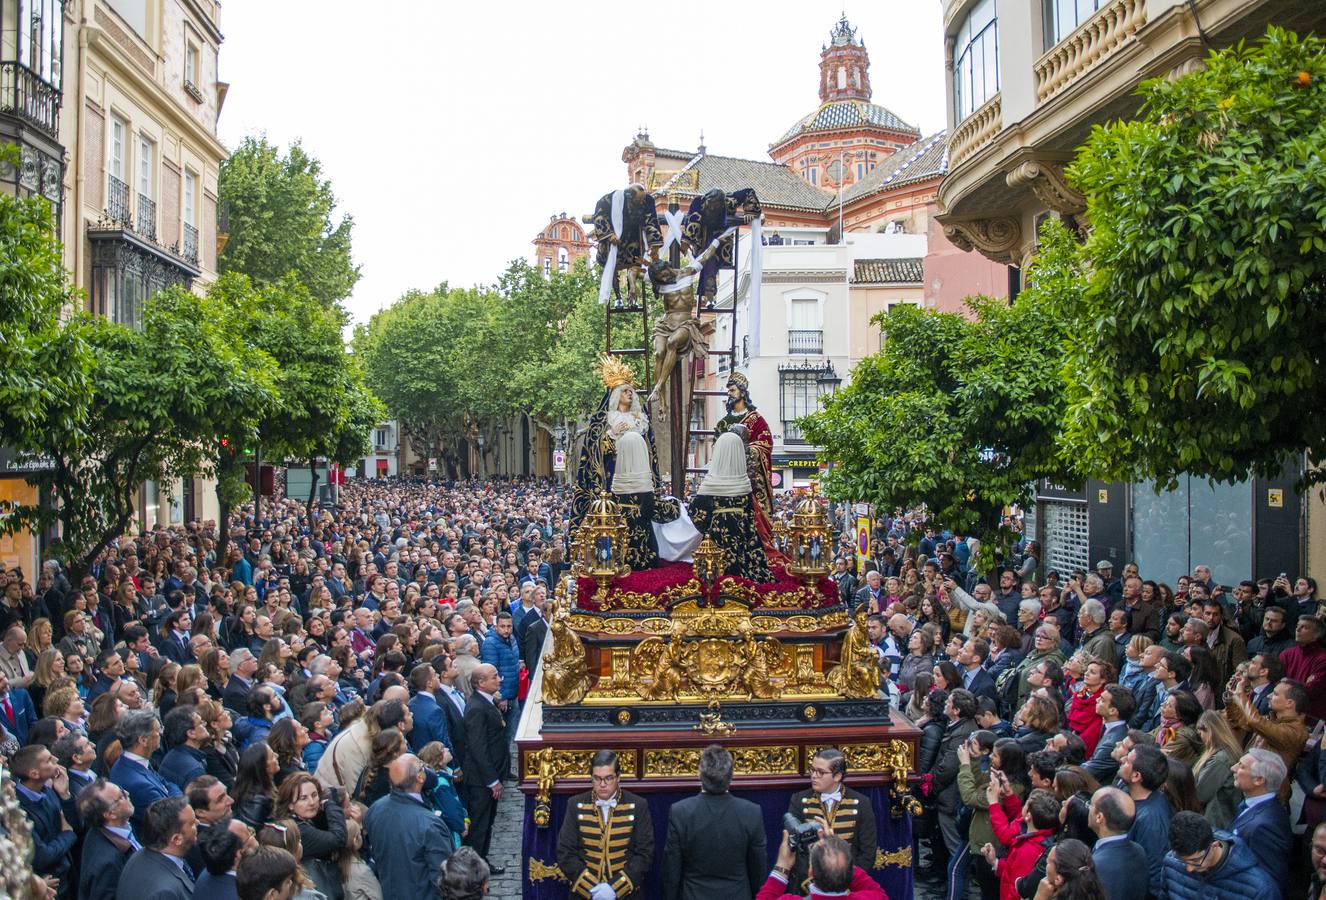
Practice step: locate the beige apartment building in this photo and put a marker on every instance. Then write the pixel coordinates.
(1027, 79)
(113, 105)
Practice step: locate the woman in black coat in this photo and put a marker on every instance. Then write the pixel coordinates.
(321, 819)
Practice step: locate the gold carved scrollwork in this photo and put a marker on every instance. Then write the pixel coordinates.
(898, 761)
(996, 238)
(712, 723)
(902, 857)
(550, 765)
(860, 757)
(540, 870)
(727, 662)
(585, 623)
(673, 762)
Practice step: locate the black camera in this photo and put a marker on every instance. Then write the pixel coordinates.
(800, 835)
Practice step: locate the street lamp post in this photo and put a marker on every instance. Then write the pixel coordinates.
(482, 472)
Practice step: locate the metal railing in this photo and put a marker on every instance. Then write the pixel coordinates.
(24, 94)
(801, 341)
(147, 218)
(117, 200)
(190, 248)
(792, 434)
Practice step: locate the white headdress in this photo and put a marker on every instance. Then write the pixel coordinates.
(727, 476)
(632, 475)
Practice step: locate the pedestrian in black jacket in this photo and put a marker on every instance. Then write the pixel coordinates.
(487, 757)
(110, 841)
(716, 843)
(960, 711)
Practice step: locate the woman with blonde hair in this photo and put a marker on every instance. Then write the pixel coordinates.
(284, 834)
(215, 664)
(359, 880)
(166, 692)
(50, 666)
(220, 754)
(63, 702)
(41, 636)
(1213, 771)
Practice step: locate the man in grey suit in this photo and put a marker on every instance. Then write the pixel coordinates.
(716, 844)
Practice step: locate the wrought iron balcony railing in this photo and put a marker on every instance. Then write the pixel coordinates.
(25, 95)
(146, 223)
(802, 341)
(190, 249)
(117, 200)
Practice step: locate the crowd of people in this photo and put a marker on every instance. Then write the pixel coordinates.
(1084, 728)
(324, 708)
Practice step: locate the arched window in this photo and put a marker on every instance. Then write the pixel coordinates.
(563, 261)
(842, 77)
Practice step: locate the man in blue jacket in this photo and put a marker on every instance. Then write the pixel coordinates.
(140, 735)
(1204, 864)
(408, 842)
(186, 735)
(501, 651)
(430, 721)
(1143, 773)
(1261, 821)
(42, 784)
(1119, 861)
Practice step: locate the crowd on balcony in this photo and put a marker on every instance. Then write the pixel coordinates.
(1093, 734)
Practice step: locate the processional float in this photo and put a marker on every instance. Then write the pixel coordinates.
(658, 663)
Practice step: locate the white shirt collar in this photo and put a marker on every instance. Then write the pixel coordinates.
(835, 796)
(1260, 798)
(138, 759)
(1101, 842)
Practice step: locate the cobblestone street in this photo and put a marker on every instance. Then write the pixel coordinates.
(504, 851)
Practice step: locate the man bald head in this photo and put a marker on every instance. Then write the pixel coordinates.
(1111, 813)
(397, 692)
(486, 679)
(406, 773)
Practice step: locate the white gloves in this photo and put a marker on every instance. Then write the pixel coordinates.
(602, 891)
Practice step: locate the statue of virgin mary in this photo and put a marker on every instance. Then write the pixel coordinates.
(620, 411)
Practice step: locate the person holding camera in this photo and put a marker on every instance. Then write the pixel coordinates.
(830, 866)
(837, 809)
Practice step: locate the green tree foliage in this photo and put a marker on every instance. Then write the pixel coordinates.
(1204, 326)
(957, 413)
(322, 401)
(450, 361)
(45, 387)
(161, 395)
(281, 221)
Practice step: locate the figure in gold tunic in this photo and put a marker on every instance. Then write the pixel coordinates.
(857, 672)
(846, 812)
(606, 844)
(722, 510)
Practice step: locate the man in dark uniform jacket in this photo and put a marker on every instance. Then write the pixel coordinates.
(848, 813)
(606, 817)
(716, 844)
(487, 758)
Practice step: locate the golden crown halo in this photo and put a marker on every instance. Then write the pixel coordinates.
(614, 372)
(738, 379)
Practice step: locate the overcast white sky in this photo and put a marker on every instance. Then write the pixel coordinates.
(452, 130)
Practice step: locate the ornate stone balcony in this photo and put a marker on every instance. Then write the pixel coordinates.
(975, 131)
(1093, 41)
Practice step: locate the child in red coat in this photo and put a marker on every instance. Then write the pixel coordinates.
(1022, 828)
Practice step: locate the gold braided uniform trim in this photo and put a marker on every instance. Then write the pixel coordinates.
(843, 820)
(901, 858)
(539, 870)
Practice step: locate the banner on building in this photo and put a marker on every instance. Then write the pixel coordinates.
(432, 463)
(862, 543)
(559, 461)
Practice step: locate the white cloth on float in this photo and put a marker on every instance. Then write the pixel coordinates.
(678, 538)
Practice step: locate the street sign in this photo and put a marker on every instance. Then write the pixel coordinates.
(432, 463)
(559, 461)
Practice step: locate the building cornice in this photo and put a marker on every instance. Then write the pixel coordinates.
(162, 103)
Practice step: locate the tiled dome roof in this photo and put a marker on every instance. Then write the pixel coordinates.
(839, 114)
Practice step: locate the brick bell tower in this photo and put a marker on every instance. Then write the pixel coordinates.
(844, 66)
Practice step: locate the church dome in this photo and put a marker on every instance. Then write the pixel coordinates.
(840, 114)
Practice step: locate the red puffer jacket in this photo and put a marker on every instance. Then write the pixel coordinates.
(1024, 850)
